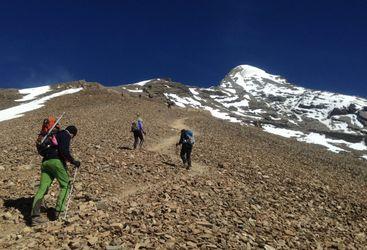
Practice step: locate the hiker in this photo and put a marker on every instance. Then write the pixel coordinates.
(54, 166)
(138, 131)
(187, 141)
(257, 124)
(170, 104)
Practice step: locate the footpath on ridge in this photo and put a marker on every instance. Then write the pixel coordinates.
(167, 146)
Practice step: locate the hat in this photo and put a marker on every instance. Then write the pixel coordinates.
(72, 130)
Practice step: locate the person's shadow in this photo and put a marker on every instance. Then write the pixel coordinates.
(23, 204)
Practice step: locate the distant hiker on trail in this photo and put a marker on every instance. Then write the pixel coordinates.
(138, 131)
(187, 141)
(170, 104)
(54, 166)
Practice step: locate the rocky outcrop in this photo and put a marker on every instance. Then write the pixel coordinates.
(362, 117)
(351, 109)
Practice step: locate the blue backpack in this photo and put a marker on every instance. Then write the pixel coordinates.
(190, 137)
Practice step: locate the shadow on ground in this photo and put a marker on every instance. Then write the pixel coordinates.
(23, 205)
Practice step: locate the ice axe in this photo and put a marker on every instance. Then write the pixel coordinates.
(71, 191)
(50, 130)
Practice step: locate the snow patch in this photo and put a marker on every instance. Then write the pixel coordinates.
(135, 90)
(18, 111)
(142, 83)
(358, 146)
(282, 131)
(319, 139)
(221, 115)
(32, 93)
(183, 101)
(364, 157)
(193, 91)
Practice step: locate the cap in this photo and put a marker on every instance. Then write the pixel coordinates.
(72, 130)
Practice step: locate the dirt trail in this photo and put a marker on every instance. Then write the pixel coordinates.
(166, 146)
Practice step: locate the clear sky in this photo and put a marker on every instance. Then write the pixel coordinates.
(315, 44)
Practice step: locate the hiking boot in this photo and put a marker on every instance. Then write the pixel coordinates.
(53, 214)
(38, 220)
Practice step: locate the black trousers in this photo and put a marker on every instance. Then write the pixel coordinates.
(186, 154)
(138, 135)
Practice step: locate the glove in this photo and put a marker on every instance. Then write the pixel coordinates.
(76, 163)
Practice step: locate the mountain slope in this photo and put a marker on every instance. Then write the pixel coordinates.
(247, 189)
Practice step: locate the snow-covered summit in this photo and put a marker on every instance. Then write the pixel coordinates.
(248, 94)
(250, 78)
(248, 71)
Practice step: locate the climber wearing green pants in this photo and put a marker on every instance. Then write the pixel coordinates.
(54, 166)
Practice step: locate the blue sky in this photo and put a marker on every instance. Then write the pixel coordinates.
(315, 44)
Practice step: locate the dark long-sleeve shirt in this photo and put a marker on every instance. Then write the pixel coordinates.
(63, 139)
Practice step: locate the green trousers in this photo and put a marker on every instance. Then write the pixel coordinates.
(50, 170)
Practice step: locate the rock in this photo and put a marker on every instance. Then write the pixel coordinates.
(2, 168)
(204, 223)
(27, 230)
(117, 226)
(191, 244)
(221, 165)
(114, 248)
(267, 247)
(27, 167)
(78, 186)
(360, 237)
(75, 244)
(7, 216)
(289, 232)
(102, 205)
(92, 239)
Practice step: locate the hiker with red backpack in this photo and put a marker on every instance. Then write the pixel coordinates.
(55, 149)
(138, 131)
(187, 141)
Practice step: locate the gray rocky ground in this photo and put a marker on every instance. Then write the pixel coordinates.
(247, 189)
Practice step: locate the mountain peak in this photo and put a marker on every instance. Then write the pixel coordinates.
(242, 74)
(249, 71)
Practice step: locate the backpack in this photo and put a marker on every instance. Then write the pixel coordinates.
(190, 137)
(47, 136)
(134, 126)
(140, 123)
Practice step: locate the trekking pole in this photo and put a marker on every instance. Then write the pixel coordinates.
(53, 126)
(71, 190)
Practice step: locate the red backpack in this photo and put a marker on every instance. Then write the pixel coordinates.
(47, 135)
